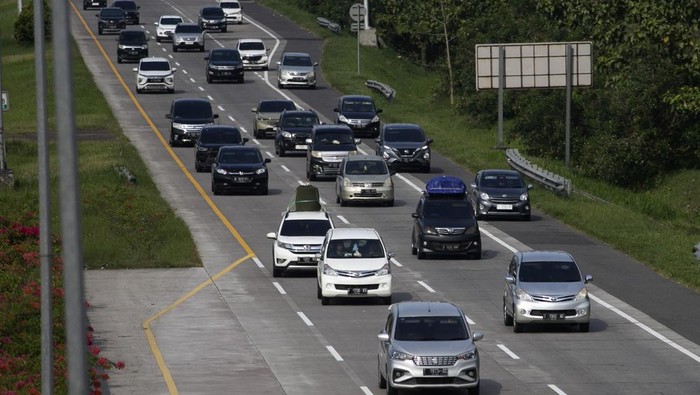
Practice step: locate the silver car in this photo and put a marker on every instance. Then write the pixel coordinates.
(545, 287)
(364, 178)
(188, 36)
(296, 69)
(428, 345)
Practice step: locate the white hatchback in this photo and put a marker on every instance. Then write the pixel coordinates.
(155, 74)
(166, 26)
(354, 263)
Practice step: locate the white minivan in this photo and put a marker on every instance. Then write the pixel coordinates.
(354, 263)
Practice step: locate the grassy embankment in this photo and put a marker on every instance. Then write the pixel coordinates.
(658, 227)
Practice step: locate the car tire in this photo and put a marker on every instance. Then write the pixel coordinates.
(173, 142)
(390, 390)
(214, 189)
(526, 218)
(343, 203)
(241, 80)
(390, 203)
(137, 22)
(209, 79)
(475, 255)
(139, 90)
(119, 60)
(171, 90)
(381, 381)
(474, 390)
(282, 152)
(507, 318)
(518, 327)
(584, 327)
(158, 39)
(276, 272)
(312, 86)
(99, 31)
(201, 49)
(279, 85)
(224, 30)
(174, 48)
(197, 167)
(264, 190)
(386, 300)
(414, 250)
(319, 295)
(325, 301)
(419, 248)
(426, 168)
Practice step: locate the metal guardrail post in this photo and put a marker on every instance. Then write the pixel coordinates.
(386, 90)
(547, 178)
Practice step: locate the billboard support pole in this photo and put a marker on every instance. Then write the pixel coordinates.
(569, 75)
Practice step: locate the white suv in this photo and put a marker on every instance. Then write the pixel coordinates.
(353, 263)
(154, 74)
(232, 9)
(253, 53)
(298, 239)
(166, 27)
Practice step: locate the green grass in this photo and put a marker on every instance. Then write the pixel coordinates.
(124, 225)
(658, 227)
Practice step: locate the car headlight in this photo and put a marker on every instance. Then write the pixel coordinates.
(388, 182)
(122, 46)
(215, 67)
(375, 119)
(484, 196)
(286, 74)
(287, 135)
(347, 183)
(329, 271)
(524, 197)
(467, 355)
(316, 154)
(284, 245)
(145, 46)
(142, 80)
(178, 126)
(202, 149)
(522, 295)
(426, 155)
(342, 118)
(399, 356)
(581, 295)
(385, 155)
(261, 170)
(386, 269)
(429, 230)
(353, 152)
(169, 79)
(311, 75)
(221, 171)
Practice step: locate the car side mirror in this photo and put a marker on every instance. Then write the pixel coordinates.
(383, 337)
(391, 254)
(476, 336)
(392, 172)
(245, 140)
(429, 141)
(168, 116)
(272, 235)
(529, 186)
(254, 109)
(206, 58)
(415, 215)
(135, 69)
(267, 160)
(336, 110)
(379, 110)
(510, 279)
(588, 278)
(174, 69)
(308, 141)
(473, 186)
(215, 116)
(279, 63)
(315, 64)
(358, 141)
(155, 23)
(377, 140)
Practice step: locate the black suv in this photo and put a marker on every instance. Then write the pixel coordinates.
(444, 220)
(210, 140)
(404, 145)
(292, 130)
(131, 9)
(212, 18)
(360, 113)
(239, 169)
(500, 193)
(111, 20)
(225, 65)
(187, 118)
(132, 45)
(94, 4)
(327, 147)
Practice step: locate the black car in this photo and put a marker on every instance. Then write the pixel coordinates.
(360, 113)
(94, 4)
(132, 45)
(111, 20)
(210, 140)
(239, 169)
(327, 147)
(404, 146)
(500, 193)
(187, 118)
(212, 18)
(444, 220)
(292, 130)
(131, 9)
(224, 65)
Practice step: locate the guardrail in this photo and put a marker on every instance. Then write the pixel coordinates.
(334, 27)
(547, 178)
(386, 90)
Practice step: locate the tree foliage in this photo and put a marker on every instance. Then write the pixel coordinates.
(24, 24)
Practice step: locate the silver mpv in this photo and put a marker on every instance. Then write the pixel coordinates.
(545, 287)
(427, 345)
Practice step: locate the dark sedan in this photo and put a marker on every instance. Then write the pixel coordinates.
(360, 113)
(293, 129)
(239, 169)
(111, 20)
(404, 146)
(132, 45)
(211, 139)
(500, 193)
(131, 9)
(224, 65)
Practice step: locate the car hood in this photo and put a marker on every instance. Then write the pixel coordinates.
(270, 115)
(359, 115)
(356, 264)
(433, 348)
(367, 177)
(504, 192)
(155, 73)
(405, 145)
(296, 69)
(298, 130)
(193, 121)
(448, 222)
(216, 145)
(135, 43)
(195, 35)
(112, 18)
(244, 167)
(334, 150)
(552, 289)
(226, 63)
(310, 240)
(252, 53)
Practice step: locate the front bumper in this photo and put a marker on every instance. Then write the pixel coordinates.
(572, 312)
(189, 135)
(408, 375)
(112, 27)
(457, 244)
(320, 167)
(234, 18)
(164, 35)
(342, 287)
(230, 74)
(367, 194)
(188, 44)
(284, 258)
(218, 25)
(362, 127)
(240, 183)
(417, 159)
(512, 208)
(156, 84)
(307, 80)
(296, 143)
(135, 53)
(255, 62)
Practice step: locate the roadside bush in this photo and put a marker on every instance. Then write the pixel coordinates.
(24, 25)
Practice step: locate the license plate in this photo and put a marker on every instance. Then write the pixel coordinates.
(333, 165)
(504, 207)
(554, 316)
(452, 247)
(307, 260)
(240, 179)
(435, 372)
(95, 3)
(301, 147)
(357, 291)
(368, 191)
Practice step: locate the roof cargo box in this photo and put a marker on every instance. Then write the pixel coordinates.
(445, 185)
(306, 198)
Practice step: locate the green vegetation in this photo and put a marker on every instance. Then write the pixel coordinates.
(658, 226)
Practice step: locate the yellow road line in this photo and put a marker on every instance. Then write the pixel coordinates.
(249, 252)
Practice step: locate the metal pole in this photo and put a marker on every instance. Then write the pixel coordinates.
(19, 6)
(71, 226)
(3, 162)
(366, 15)
(501, 84)
(47, 381)
(358, 43)
(569, 74)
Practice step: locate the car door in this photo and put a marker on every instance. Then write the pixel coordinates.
(339, 179)
(418, 223)
(384, 346)
(511, 287)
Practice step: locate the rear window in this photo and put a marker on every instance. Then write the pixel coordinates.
(193, 109)
(305, 227)
(430, 329)
(220, 136)
(276, 106)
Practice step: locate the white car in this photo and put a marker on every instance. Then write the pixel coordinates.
(253, 53)
(353, 263)
(298, 240)
(166, 26)
(155, 74)
(233, 11)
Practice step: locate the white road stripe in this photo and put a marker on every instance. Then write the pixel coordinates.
(192, 79)
(164, 50)
(395, 262)
(556, 389)
(407, 181)
(220, 108)
(304, 318)
(243, 129)
(499, 241)
(231, 118)
(286, 169)
(470, 321)
(360, 150)
(257, 262)
(178, 64)
(334, 353)
(322, 201)
(269, 154)
(345, 221)
(256, 141)
(426, 286)
(507, 351)
(366, 390)
(209, 97)
(279, 288)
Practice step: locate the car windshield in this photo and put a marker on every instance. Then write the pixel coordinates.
(430, 329)
(188, 29)
(549, 272)
(358, 106)
(193, 109)
(132, 36)
(170, 21)
(220, 136)
(366, 167)
(240, 157)
(225, 55)
(251, 46)
(355, 248)
(305, 227)
(299, 121)
(125, 5)
(111, 13)
(276, 106)
(293, 60)
(227, 4)
(334, 139)
(155, 66)
(409, 135)
(447, 208)
(213, 12)
(502, 181)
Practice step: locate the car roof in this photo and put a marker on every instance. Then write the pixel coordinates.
(250, 40)
(331, 128)
(402, 126)
(354, 158)
(296, 54)
(546, 256)
(298, 215)
(190, 99)
(499, 171)
(427, 308)
(356, 97)
(154, 59)
(353, 233)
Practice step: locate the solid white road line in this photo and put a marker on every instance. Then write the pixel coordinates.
(334, 353)
(286, 169)
(345, 221)
(232, 119)
(395, 262)
(269, 154)
(507, 351)
(209, 97)
(304, 318)
(407, 181)
(426, 286)
(366, 390)
(556, 389)
(257, 262)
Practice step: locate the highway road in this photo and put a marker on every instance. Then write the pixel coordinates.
(233, 328)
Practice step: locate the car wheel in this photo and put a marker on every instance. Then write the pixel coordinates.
(276, 272)
(311, 176)
(197, 167)
(263, 190)
(224, 30)
(171, 90)
(201, 49)
(139, 90)
(279, 85)
(390, 203)
(172, 141)
(475, 255)
(527, 217)
(312, 86)
(584, 327)
(241, 80)
(420, 252)
(507, 318)
(282, 152)
(390, 390)
(174, 48)
(137, 22)
(414, 250)
(426, 168)
(325, 301)
(381, 380)
(386, 300)
(319, 295)
(119, 60)
(214, 189)
(99, 31)
(518, 327)
(84, 7)
(474, 390)
(158, 39)
(343, 203)
(209, 79)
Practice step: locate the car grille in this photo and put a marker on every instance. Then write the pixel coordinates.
(359, 123)
(305, 248)
(368, 185)
(355, 274)
(300, 139)
(450, 231)
(192, 128)
(252, 57)
(406, 152)
(154, 79)
(241, 173)
(505, 200)
(435, 361)
(547, 298)
(568, 313)
(345, 287)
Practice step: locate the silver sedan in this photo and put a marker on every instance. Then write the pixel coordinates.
(364, 178)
